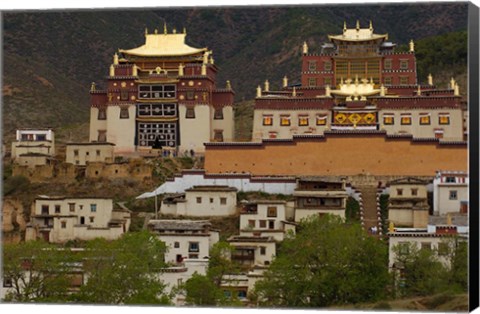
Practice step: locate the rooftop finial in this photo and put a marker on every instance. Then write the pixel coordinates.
(371, 25)
(174, 30)
(267, 86)
(155, 31)
(412, 46)
(456, 90)
(419, 91)
(430, 79)
(358, 25)
(165, 28)
(344, 26)
(115, 58)
(112, 70)
(146, 31)
(294, 91)
(328, 91)
(92, 87)
(452, 83)
(180, 69)
(285, 81)
(229, 86)
(259, 91)
(184, 30)
(382, 90)
(134, 70)
(305, 48)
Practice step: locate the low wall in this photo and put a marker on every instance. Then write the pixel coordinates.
(346, 154)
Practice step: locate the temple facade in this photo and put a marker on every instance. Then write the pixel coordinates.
(359, 82)
(162, 95)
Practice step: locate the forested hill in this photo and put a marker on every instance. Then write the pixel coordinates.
(50, 58)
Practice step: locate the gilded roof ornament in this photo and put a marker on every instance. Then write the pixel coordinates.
(344, 26)
(184, 30)
(259, 91)
(430, 79)
(115, 58)
(371, 26)
(456, 90)
(180, 69)
(412, 46)
(294, 91)
(174, 30)
(93, 87)
(358, 25)
(452, 83)
(146, 31)
(305, 48)
(419, 91)
(156, 31)
(165, 28)
(328, 91)
(285, 81)
(228, 86)
(112, 70)
(267, 86)
(134, 70)
(204, 69)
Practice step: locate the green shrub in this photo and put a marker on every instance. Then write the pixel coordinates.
(15, 183)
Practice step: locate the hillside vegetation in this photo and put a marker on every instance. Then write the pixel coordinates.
(50, 58)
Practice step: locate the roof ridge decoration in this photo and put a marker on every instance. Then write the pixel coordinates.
(357, 34)
(163, 45)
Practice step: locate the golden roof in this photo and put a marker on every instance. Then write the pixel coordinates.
(163, 45)
(358, 34)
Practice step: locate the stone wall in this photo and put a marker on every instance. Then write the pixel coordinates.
(346, 154)
(134, 169)
(14, 220)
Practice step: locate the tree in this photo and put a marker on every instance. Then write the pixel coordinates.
(328, 262)
(206, 289)
(38, 271)
(458, 273)
(124, 271)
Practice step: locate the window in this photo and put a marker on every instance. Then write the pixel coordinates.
(263, 223)
(211, 200)
(387, 80)
(190, 95)
(87, 153)
(156, 110)
(45, 209)
(124, 94)
(92, 219)
(7, 282)
(194, 256)
(443, 119)
(424, 119)
(312, 82)
(426, 246)
(442, 249)
(272, 211)
(453, 195)
(80, 206)
(388, 120)
(263, 250)
(403, 64)
(321, 119)
(98, 153)
(268, 120)
(399, 192)
(403, 248)
(176, 245)
(218, 135)
(63, 224)
(75, 152)
(71, 207)
(102, 136)
(327, 81)
(303, 120)
(218, 115)
(190, 113)
(199, 200)
(93, 208)
(223, 201)
(156, 91)
(285, 120)
(387, 64)
(414, 192)
(312, 65)
(403, 80)
(327, 65)
(271, 224)
(450, 179)
(57, 209)
(102, 114)
(242, 294)
(438, 133)
(251, 223)
(179, 281)
(124, 113)
(193, 247)
(406, 120)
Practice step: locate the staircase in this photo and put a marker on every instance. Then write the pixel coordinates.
(368, 206)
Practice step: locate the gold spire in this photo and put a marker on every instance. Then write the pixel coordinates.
(267, 86)
(294, 91)
(155, 31)
(356, 79)
(211, 59)
(184, 30)
(285, 81)
(358, 25)
(382, 90)
(205, 57)
(412, 46)
(112, 70)
(115, 59)
(344, 26)
(146, 31)
(305, 48)
(92, 87)
(134, 70)
(259, 91)
(174, 30)
(228, 86)
(328, 91)
(204, 69)
(165, 28)
(456, 90)
(419, 91)
(430, 79)
(180, 69)
(371, 26)
(452, 83)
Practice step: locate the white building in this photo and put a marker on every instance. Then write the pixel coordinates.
(251, 251)
(266, 218)
(81, 153)
(436, 237)
(33, 142)
(191, 239)
(60, 219)
(450, 192)
(202, 201)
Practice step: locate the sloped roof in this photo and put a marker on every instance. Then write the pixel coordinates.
(163, 45)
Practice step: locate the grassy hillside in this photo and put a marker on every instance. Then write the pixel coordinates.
(50, 58)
